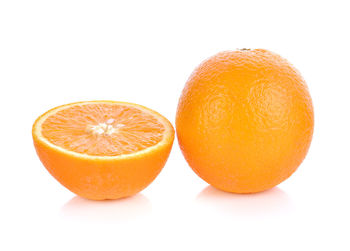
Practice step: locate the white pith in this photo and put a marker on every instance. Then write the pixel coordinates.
(104, 128)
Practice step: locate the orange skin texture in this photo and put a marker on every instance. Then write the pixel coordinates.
(101, 179)
(245, 120)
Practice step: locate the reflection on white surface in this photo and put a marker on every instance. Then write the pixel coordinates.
(273, 201)
(121, 210)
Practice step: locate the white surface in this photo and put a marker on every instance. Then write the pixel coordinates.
(55, 52)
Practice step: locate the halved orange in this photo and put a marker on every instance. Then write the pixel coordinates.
(103, 149)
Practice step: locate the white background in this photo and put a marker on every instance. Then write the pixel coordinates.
(56, 52)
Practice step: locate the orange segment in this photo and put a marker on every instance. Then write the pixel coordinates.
(104, 129)
(103, 149)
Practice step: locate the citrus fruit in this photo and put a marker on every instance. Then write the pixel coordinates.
(245, 120)
(103, 149)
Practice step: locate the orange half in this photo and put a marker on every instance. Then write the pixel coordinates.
(103, 149)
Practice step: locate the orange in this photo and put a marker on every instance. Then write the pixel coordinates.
(245, 120)
(103, 149)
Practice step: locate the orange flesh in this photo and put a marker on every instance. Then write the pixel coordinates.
(103, 129)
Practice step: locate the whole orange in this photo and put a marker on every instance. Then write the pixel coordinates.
(245, 120)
